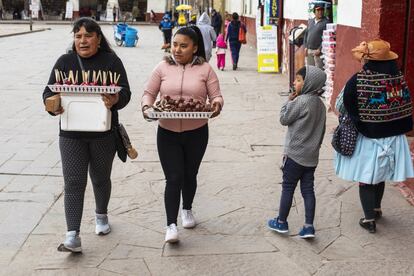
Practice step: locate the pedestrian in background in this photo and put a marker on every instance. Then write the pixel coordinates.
(378, 101)
(313, 36)
(227, 20)
(305, 116)
(135, 13)
(153, 17)
(216, 23)
(221, 52)
(81, 150)
(166, 26)
(209, 35)
(182, 143)
(233, 37)
(115, 13)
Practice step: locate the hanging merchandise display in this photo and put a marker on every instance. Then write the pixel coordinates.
(329, 53)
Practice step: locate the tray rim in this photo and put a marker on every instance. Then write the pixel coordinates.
(75, 89)
(202, 115)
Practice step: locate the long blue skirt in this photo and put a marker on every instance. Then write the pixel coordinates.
(376, 160)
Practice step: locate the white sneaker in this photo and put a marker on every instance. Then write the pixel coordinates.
(171, 235)
(72, 243)
(102, 224)
(188, 219)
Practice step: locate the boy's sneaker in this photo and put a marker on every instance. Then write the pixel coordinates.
(307, 232)
(102, 225)
(171, 235)
(188, 219)
(280, 227)
(72, 243)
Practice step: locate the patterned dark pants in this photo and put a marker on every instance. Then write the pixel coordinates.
(77, 156)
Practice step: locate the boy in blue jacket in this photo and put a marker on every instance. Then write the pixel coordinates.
(166, 26)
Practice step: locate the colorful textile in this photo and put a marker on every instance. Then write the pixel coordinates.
(382, 98)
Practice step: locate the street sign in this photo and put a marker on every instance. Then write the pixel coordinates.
(267, 52)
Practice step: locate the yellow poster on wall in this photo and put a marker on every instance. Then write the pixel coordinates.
(267, 52)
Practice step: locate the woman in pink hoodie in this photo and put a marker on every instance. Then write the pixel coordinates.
(182, 143)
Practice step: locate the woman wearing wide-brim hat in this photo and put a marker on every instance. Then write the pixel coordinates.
(379, 103)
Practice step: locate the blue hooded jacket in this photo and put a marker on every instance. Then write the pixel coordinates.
(166, 23)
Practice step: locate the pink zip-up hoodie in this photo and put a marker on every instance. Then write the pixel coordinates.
(196, 81)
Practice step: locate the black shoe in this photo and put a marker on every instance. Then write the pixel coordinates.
(234, 66)
(368, 225)
(378, 214)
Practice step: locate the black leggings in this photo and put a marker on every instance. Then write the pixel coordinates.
(180, 155)
(77, 155)
(371, 197)
(167, 36)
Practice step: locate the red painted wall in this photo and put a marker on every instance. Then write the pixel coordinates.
(251, 30)
(349, 37)
(392, 22)
(383, 19)
(410, 53)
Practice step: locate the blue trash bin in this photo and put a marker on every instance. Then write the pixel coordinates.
(131, 37)
(121, 27)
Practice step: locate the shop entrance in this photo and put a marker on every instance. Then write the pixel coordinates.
(131, 13)
(14, 9)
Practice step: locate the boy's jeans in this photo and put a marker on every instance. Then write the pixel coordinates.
(292, 173)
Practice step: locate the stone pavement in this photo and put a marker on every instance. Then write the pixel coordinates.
(239, 185)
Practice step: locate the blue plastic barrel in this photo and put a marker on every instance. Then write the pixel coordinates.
(121, 27)
(130, 37)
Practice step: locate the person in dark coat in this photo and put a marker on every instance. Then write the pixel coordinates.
(233, 37)
(216, 21)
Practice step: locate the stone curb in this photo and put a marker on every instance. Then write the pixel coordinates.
(27, 32)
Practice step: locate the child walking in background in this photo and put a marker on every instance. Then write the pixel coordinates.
(305, 115)
(166, 26)
(221, 47)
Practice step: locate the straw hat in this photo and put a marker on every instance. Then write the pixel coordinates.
(377, 49)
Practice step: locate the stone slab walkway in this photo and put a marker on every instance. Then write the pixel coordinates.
(239, 185)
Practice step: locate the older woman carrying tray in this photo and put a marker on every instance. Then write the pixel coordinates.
(182, 142)
(93, 150)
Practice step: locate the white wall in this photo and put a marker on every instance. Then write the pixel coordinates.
(75, 5)
(156, 5)
(350, 15)
(242, 7)
(234, 6)
(298, 9)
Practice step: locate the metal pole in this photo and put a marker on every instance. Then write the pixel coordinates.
(30, 16)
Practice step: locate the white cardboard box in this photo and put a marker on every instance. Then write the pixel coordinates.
(84, 112)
